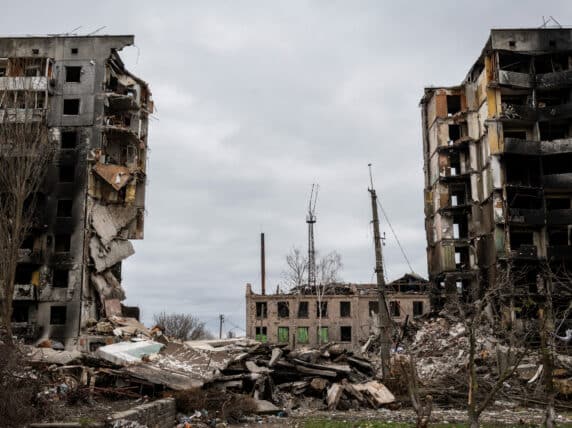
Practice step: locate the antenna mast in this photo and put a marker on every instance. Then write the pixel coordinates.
(311, 219)
(383, 314)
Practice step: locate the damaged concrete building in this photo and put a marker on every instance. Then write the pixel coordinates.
(348, 312)
(93, 200)
(497, 153)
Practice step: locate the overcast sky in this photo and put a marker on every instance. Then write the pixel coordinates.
(257, 100)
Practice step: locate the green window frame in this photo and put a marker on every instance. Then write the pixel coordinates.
(283, 334)
(261, 334)
(323, 334)
(303, 335)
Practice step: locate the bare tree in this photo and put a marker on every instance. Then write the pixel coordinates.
(474, 315)
(297, 266)
(26, 152)
(181, 326)
(327, 273)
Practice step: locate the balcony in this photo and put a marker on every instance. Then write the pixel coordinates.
(554, 80)
(557, 181)
(525, 252)
(22, 83)
(521, 147)
(559, 217)
(529, 217)
(560, 252)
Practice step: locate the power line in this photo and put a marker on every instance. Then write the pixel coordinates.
(395, 235)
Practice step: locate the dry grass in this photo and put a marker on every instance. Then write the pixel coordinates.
(227, 406)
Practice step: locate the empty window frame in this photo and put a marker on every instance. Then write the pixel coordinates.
(64, 208)
(323, 335)
(283, 334)
(24, 274)
(260, 334)
(417, 308)
(303, 310)
(58, 315)
(454, 133)
(261, 310)
(67, 173)
(73, 74)
(453, 104)
(323, 313)
(394, 309)
(74, 51)
(302, 335)
(60, 278)
(20, 311)
(346, 333)
(62, 243)
(373, 307)
(345, 309)
(68, 140)
(283, 309)
(71, 107)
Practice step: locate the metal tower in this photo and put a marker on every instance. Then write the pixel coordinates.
(311, 219)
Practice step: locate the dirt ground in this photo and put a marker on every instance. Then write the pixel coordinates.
(498, 417)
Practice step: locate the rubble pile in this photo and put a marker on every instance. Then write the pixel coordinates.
(440, 348)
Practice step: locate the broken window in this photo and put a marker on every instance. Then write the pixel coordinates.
(560, 163)
(20, 311)
(558, 236)
(453, 104)
(260, 334)
(73, 74)
(557, 203)
(64, 208)
(69, 140)
(303, 310)
(417, 308)
(460, 227)
(283, 334)
(71, 107)
(394, 309)
(24, 273)
(346, 333)
(28, 243)
(261, 309)
(373, 307)
(454, 133)
(57, 315)
(63, 243)
(61, 278)
(74, 51)
(67, 173)
(303, 335)
(283, 309)
(345, 309)
(519, 237)
(323, 335)
(520, 135)
(553, 131)
(323, 313)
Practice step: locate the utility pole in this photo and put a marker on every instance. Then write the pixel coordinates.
(262, 265)
(383, 314)
(221, 320)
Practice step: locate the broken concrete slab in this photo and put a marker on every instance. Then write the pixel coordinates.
(109, 220)
(126, 353)
(377, 391)
(116, 175)
(106, 257)
(51, 356)
(264, 407)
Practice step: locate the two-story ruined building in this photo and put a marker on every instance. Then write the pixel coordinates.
(344, 313)
(93, 198)
(497, 153)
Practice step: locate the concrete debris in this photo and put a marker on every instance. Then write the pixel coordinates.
(109, 220)
(115, 175)
(126, 353)
(105, 257)
(107, 286)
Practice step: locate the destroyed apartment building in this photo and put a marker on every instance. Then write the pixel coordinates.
(348, 315)
(497, 153)
(93, 199)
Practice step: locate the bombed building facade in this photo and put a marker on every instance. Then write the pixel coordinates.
(93, 198)
(497, 153)
(348, 312)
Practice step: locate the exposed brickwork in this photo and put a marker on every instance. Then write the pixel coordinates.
(156, 414)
